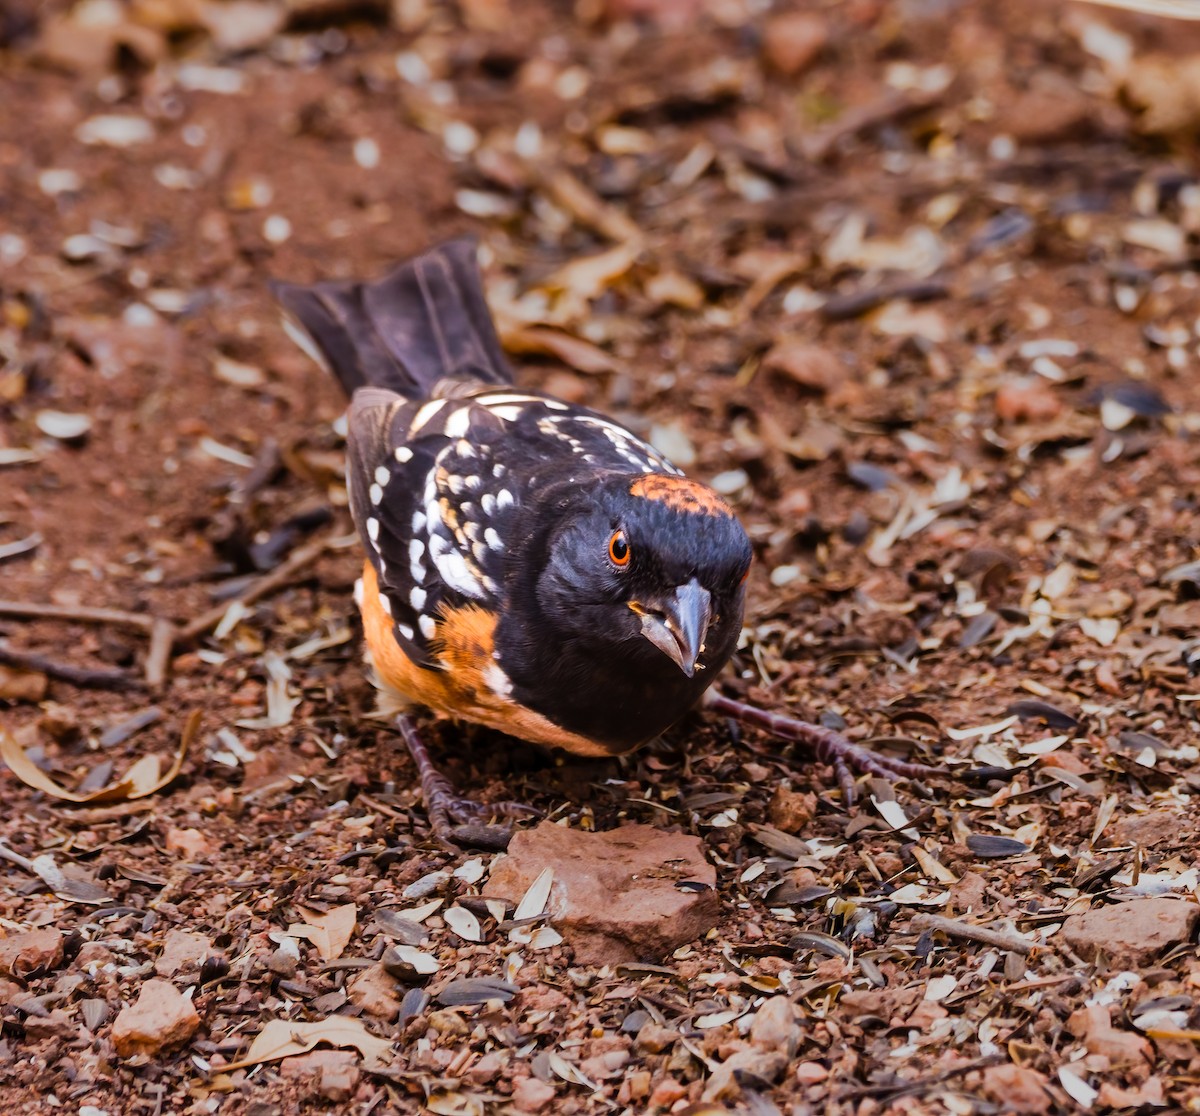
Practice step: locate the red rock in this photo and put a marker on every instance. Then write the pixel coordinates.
(34, 951)
(810, 1073)
(791, 810)
(191, 844)
(1122, 1048)
(792, 41)
(667, 1092)
(336, 1071)
(1016, 1089)
(182, 949)
(1045, 115)
(1027, 400)
(614, 897)
(162, 1018)
(58, 1024)
(1133, 932)
(374, 990)
(531, 1095)
(775, 1028)
(811, 366)
(1147, 1095)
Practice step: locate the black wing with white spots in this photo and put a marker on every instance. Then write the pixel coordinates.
(436, 486)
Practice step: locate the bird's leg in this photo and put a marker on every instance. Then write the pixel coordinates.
(828, 746)
(447, 807)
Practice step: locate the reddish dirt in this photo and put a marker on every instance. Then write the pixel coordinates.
(978, 490)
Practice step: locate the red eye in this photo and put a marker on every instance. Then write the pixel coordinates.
(618, 550)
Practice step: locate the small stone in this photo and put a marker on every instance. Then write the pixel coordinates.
(374, 991)
(336, 1072)
(1027, 400)
(191, 844)
(666, 1093)
(487, 1069)
(22, 685)
(614, 896)
(161, 1019)
(1093, 1024)
(1131, 933)
(35, 951)
(791, 810)
(1040, 116)
(811, 366)
(58, 1024)
(810, 1073)
(531, 1095)
(182, 949)
(754, 1068)
(792, 41)
(283, 962)
(1016, 1089)
(653, 1039)
(775, 1027)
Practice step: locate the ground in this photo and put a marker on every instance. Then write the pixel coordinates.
(912, 283)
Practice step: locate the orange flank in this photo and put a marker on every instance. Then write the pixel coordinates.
(472, 687)
(680, 494)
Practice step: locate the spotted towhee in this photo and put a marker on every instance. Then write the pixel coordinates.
(531, 565)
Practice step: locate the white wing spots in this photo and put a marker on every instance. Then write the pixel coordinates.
(382, 475)
(458, 422)
(456, 574)
(510, 412)
(497, 681)
(556, 405)
(418, 522)
(504, 499)
(498, 470)
(373, 529)
(428, 626)
(385, 603)
(358, 592)
(403, 454)
(376, 493)
(416, 551)
(422, 417)
(406, 631)
(488, 502)
(456, 483)
(464, 448)
(417, 597)
(492, 538)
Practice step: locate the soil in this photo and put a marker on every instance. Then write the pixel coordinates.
(913, 284)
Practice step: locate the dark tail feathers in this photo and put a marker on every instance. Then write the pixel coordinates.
(425, 321)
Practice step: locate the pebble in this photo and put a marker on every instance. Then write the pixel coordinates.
(614, 895)
(1027, 400)
(1016, 1089)
(182, 949)
(336, 1072)
(531, 1095)
(34, 951)
(114, 130)
(374, 991)
(191, 844)
(791, 810)
(775, 1027)
(1133, 932)
(160, 1019)
(792, 41)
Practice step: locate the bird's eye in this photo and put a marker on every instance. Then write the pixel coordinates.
(745, 573)
(618, 550)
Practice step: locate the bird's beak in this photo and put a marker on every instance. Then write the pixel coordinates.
(676, 625)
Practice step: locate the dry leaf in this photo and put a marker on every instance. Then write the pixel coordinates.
(581, 355)
(463, 923)
(281, 1038)
(142, 779)
(533, 902)
(329, 932)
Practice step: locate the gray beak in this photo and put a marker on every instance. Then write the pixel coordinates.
(677, 625)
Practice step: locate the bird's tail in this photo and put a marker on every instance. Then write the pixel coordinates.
(425, 321)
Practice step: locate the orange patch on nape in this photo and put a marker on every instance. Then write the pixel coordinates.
(680, 494)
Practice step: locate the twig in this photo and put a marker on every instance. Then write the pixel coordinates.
(268, 583)
(969, 931)
(901, 1088)
(96, 678)
(158, 657)
(29, 610)
(20, 546)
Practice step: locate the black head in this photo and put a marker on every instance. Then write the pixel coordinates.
(651, 568)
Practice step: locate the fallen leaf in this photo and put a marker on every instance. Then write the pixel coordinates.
(329, 932)
(144, 778)
(281, 1038)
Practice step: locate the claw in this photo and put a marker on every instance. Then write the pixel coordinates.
(446, 806)
(828, 746)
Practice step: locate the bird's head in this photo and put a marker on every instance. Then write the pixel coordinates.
(655, 564)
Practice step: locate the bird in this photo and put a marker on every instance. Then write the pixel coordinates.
(530, 564)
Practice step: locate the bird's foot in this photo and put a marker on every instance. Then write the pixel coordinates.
(828, 746)
(456, 819)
